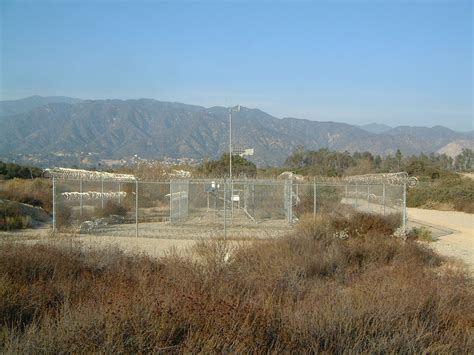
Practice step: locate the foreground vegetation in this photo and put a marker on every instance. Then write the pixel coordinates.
(340, 284)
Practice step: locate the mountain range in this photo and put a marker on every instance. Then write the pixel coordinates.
(58, 130)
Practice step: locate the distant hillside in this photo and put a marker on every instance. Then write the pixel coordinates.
(115, 129)
(376, 127)
(13, 107)
(455, 148)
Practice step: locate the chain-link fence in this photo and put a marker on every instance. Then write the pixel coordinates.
(193, 209)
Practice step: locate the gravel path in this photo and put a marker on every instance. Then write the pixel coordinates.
(460, 242)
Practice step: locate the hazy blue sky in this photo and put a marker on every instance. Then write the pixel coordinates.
(393, 62)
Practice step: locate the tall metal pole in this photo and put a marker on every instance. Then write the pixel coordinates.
(230, 144)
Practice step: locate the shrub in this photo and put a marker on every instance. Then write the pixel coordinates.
(450, 188)
(64, 217)
(12, 218)
(464, 206)
(111, 208)
(421, 233)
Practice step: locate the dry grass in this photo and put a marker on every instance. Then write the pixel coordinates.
(320, 290)
(36, 192)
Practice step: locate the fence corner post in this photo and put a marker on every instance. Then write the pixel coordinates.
(404, 222)
(136, 208)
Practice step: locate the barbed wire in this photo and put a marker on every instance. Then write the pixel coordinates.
(79, 174)
(93, 195)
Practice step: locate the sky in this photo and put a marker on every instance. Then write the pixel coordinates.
(391, 62)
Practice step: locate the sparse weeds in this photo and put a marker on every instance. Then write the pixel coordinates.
(421, 233)
(309, 292)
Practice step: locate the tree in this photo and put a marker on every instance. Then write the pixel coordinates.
(378, 162)
(464, 160)
(399, 157)
(241, 167)
(297, 158)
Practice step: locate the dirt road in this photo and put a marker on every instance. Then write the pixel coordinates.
(460, 242)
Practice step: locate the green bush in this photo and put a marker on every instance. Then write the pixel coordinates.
(450, 189)
(421, 233)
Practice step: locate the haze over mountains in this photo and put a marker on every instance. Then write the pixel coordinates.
(55, 130)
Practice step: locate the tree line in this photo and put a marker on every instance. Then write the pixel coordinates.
(331, 163)
(12, 170)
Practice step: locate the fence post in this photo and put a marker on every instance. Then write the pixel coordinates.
(290, 215)
(171, 202)
(80, 190)
(383, 198)
(289, 199)
(368, 197)
(404, 223)
(119, 190)
(54, 205)
(225, 210)
(314, 199)
(179, 204)
(357, 193)
(186, 211)
(231, 201)
(136, 209)
(253, 200)
(216, 196)
(102, 192)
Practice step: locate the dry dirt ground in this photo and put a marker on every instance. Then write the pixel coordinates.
(469, 175)
(458, 240)
(157, 238)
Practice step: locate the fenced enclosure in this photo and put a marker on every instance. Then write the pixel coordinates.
(120, 205)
